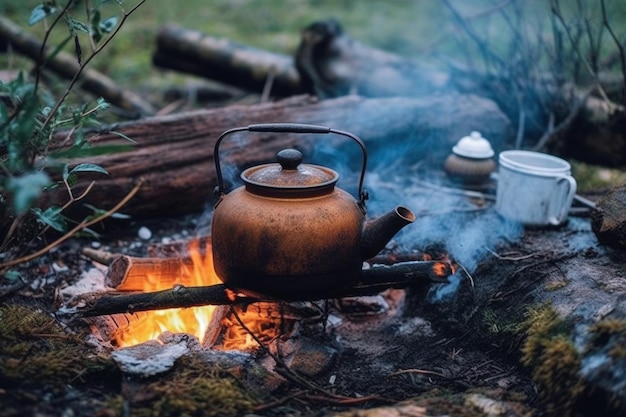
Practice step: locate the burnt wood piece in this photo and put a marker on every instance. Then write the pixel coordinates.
(129, 273)
(66, 66)
(174, 153)
(373, 281)
(222, 60)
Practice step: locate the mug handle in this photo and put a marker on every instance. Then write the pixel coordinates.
(570, 182)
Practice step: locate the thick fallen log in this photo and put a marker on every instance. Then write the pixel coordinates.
(608, 222)
(243, 66)
(333, 64)
(373, 281)
(66, 66)
(327, 63)
(174, 153)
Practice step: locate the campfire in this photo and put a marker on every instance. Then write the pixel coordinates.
(193, 320)
(233, 321)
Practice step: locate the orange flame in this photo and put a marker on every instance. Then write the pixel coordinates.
(193, 320)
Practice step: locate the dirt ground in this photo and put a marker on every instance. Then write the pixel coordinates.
(433, 354)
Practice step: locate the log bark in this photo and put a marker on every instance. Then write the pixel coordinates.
(194, 52)
(66, 66)
(174, 153)
(608, 222)
(373, 281)
(333, 64)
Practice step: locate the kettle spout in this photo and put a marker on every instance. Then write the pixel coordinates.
(378, 232)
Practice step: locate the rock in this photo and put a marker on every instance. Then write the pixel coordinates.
(149, 358)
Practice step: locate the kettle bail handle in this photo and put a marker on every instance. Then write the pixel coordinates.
(290, 128)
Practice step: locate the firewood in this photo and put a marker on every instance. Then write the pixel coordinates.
(373, 281)
(243, 66)
(174, 153)
(129, 273)
(66, 66)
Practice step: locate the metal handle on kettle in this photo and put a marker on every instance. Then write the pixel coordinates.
(290, 128)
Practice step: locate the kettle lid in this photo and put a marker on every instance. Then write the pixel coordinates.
(289, 176)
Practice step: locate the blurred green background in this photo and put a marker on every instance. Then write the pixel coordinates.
(416, 28)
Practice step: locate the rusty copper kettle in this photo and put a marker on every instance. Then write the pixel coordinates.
(288, 232)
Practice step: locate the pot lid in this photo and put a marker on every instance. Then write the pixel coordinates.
(473, 146)
(289, 175)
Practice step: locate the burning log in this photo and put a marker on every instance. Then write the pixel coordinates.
(129, 273)
(174, 153)
(373, 281)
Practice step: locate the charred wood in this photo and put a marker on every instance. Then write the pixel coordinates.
(608, 222)
(373, 281)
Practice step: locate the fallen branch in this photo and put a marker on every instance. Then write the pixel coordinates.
(222, 60)
(82, 225)
(67, 66)
(373, 281)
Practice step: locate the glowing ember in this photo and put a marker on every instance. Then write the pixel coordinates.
(192, 320)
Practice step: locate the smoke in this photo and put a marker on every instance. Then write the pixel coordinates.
(468, 229)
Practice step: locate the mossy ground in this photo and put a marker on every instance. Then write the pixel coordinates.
(40, 359)
(553, 360)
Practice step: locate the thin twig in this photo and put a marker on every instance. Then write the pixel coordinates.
(82, 225)
(469, 276)
(552, 132)
(620, 47)
(44, 43)
(283, 370)
(556, 11)
(510, 258)
(69, 88)
(417, 371)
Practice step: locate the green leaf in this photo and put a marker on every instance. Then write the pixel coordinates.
(26, 189)
(12, 275)
(89, 168)
(102, 104)
(52, 217)
(71, 180)
(97, 212)
(75, 26)
(121, 135)
(95, 151)
(107, 25)
(4, 114)
(40, 12)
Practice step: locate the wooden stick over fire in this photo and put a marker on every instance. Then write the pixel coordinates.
(373, 280)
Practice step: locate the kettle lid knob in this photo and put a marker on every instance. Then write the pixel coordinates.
(289, 158)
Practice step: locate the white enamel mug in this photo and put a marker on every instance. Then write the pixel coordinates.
(534, 188)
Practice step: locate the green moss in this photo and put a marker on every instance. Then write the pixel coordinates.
(36, 350)
(602, 331)
(553, 360)
(192, 389)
